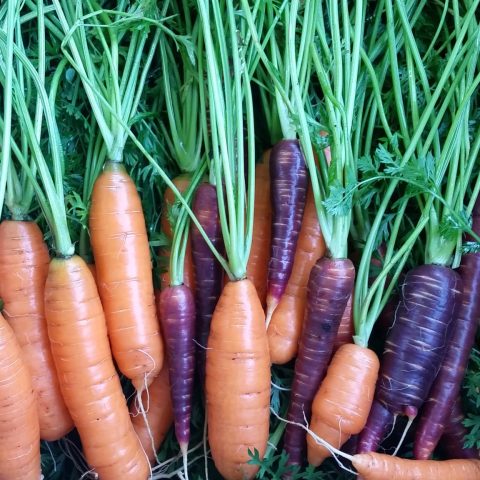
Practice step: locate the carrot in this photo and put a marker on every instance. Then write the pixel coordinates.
(124, 275)
(177, 314)
(257, 266)
(19, 424)
(378, 466)
(88, 380)
(288, 188)
(93, 270)
(208, 271)
(159, 414)
(238, 366)
(336, 413)
(181, 182)
(329, 288)
(287, 319)
(24, 263)
(345, 329)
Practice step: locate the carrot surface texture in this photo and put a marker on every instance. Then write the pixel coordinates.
(19, 423)
(378, 466)
(124, 275)
(237, 384)
(287, 320)
(23, 251)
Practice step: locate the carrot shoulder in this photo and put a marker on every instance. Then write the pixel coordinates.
(24, 263)
(378, 466)
(124, 275)
(88, 379)
(19, 426)
(237, 381)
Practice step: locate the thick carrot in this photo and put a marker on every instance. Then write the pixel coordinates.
(238, 381)
(288, 188)
(181, 182)
(341, 406)
(208, 271)
(287, 319)
(19, 424)
(346, 329)
(24, 263)
(159, 414)
(446, 387)
(88, 380)
(177, 315)
(378, 466)
(124, 275)
(329, 288)
(257, 267)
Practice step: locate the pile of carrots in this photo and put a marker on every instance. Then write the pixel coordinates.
(268, 244)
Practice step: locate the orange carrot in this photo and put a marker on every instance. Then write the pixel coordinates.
(159, 414)
(93, 270)
(346, 329)
(19, 424)
(88, 380)
(237, 381)
(24, 263)
(342, 403)
(182, 182)
(287, 319)
(257, 267)
(124, 275)
(379, 466)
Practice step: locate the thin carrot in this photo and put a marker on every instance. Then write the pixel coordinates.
(378, 466)
(24, 263)
(124, 275)
(19, 425)
(257, 267)
(286, 323)
(336, 412)
(181, 182)
(88, 380)
(238, 366)
(159, 415)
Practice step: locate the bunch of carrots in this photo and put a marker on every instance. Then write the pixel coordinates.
(239, 239)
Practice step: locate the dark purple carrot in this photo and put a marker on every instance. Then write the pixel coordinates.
(177, 315)
(453, 439)
(329, 288)
(379, 424)
(417, 341)
(446, 387)
(208, 271)
(288, 189)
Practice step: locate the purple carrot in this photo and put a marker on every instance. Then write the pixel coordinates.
(208, 271)
(417, 341)
(329, 288)
(453, 439)
(288, 188)
(177, 315)
(446, 388)
(379, 424)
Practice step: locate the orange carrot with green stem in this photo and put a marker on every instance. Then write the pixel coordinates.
(238, 365)
(76, 324)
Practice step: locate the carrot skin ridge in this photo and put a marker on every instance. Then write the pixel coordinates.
(87, 376)
(159, 414)
(257, 266)
(19, 423)
(124, 275)
(208, 271)
(23, 251)
(237, 382)
(177, 314)
(288, 188)
(329, 287)
(341, 406)
(379, 466)
(286, 323)
(446, 387)
(452, 440)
